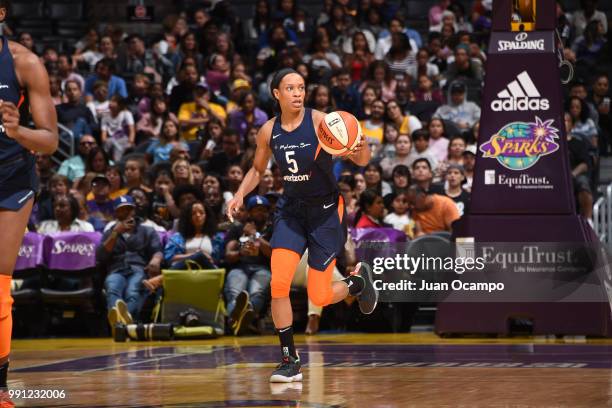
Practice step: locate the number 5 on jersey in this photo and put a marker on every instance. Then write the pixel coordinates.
(293, 166)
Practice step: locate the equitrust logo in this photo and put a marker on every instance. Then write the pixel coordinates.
(520, 94)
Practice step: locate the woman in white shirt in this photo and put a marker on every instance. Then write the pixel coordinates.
(65, 212)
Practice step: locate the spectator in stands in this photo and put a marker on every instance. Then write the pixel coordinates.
(321, 99)
(579, 90)
(101, 206)
(423, 67)
(233, 178)
(371, 210)
(373, 128)
(118, 132)
(188, 47)
(134, 173)
(373, 174)
(583, 126)
(25, 39)
(56, 185)
(140, 60)
(438, 140)
(181, 172)
(130, 251)
(257, 26)
(104, 71)
(464, 68)
(420, 148)
(99, 105)
(601, 100)
(586, 13)
(459, 110)
(422, 175)
(406, 123)
(360, 57)
(55, 89)
(218, 72)
(139, 90)
(230, 154)
(74, 114)
(401, 55)
(162, 200)
(360, 184)
(193, 241)
(380, 77)
(142, 208)
(159, 149)
(117, 188)
(193, 116)
(345, 94)
(580, 164)
(385, 38)
(435, 12)
(425, 91)
(400, 179)
(387, 149)
(248, 115)
(321, 59)
(65, 212)
(453, 188)
(74, 167)
(151, 123)
(97, 161)
(456, 147)
(431, 212)
(45, 168)
(346, 186)
(469, 161)
(588, 48)
(65, 70)
(403, 147)
(368, 96)
(247, 254)
(91, 56)
(398, 216)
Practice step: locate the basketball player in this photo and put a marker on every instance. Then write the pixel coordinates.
(308, 215)
(24, 88)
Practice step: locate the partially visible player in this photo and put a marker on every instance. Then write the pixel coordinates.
(308, 215)
(24, 89)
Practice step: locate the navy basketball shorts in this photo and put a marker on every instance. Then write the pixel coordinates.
(299, 224)
(18, 182)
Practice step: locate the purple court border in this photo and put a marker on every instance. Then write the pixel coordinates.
(347, 355)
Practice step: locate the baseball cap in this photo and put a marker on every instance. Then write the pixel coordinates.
(123, 201)
(100, 177)
(457, 87)
(470, 149)
(240, 83)
(201, 85)
(257, 200)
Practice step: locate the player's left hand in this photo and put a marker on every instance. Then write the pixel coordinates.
(9, 115)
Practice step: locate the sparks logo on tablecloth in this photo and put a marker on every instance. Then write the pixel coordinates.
(519, 145)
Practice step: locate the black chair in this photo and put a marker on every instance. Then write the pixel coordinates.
(66, 10)
(27, 9)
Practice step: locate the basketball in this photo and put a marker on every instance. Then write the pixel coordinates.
(339, 132)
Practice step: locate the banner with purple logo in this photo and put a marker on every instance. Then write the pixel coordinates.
(377, 235)
(522, 163)
(71, 251)
(30, 252)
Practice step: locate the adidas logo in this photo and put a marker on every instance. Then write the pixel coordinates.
(520, 95)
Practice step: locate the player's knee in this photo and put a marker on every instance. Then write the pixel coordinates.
(279, 287)
(320, 297)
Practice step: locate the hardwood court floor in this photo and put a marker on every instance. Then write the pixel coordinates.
(343, 370)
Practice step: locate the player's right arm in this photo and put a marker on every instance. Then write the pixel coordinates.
(253, 176)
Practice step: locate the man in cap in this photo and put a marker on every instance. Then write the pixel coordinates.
(248, 253)
(469, 161)
(130, 251)
(463, 113)
(101, 207)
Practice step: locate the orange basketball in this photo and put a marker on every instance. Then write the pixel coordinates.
(339, 132)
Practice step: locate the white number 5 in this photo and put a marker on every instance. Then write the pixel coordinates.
(293, 166)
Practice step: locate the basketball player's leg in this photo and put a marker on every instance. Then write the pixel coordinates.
(13, 225)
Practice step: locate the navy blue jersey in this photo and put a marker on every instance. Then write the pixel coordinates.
(307, 170)
(16, 163)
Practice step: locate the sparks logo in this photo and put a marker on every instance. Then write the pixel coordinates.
(520, 95)
(519, 145)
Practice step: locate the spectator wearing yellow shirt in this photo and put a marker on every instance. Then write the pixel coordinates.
(373, 128)
(193, 116)
(406, 123)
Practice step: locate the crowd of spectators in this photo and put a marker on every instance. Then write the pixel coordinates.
(170, 121)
